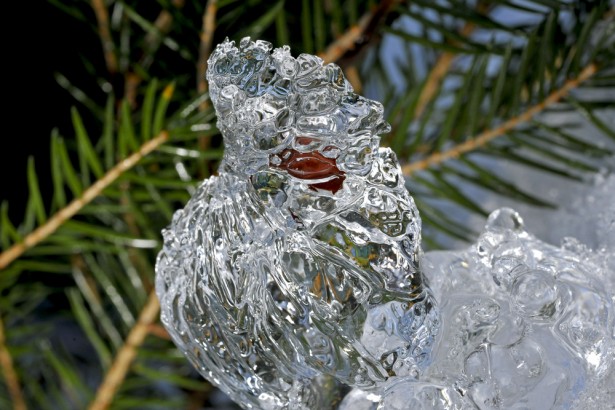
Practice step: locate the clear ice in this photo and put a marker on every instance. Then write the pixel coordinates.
(294, 279)
(294, 272)
(525, 325)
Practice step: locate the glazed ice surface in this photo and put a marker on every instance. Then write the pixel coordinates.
(296, 268)
(525, 325)
(296, 273)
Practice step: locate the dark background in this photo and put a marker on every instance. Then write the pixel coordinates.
(48, 41)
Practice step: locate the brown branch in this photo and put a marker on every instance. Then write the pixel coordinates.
(163, 24)
(441, 67)
(207, 37)
(88, 195)
(102, 17)
(152, 40)
(10, 375)
(354, 78)
(157, 330)
(126, 355)
(483, 138)
(357, 34)
(432, 84)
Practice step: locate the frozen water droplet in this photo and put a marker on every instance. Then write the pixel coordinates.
(505, 218)
(535, 293)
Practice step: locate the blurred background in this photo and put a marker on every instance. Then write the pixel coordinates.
(499, 103)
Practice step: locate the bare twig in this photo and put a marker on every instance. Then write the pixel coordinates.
(207, 37)
(10, 375)
(157, 330)
(163, 24)
(432, 83)
(126, 355)
(353, 76)
(152, 40)
(357, 33)
(439, 70)
(483, 138)
(102, 16)
(88, 195)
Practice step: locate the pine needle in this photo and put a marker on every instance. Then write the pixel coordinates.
(126, 355)
(102, 16)
(10, 375)
(485, 137)
(88, 195)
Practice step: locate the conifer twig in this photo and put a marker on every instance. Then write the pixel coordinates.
(75, 206)
(207, 37)
(102, 17)
(152, 40)
(10, 375)
(348, 41)
(155, 329)
(126, 355)
(439, 70)
(163, 24)
(485, 137)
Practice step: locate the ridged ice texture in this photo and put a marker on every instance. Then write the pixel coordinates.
(295, 272)
(525, 325)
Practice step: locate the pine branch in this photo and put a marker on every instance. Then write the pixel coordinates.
(436, 75)
(102, 16)
(485, 137)
(152, 41)
(88, 195)
(207, 37)
(157, 330)
(439, 71)
(350, 39)
(163, 23)
(126, 355)
(10, 375)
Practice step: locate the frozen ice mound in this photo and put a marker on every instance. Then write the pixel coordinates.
(294, 272)
(294, 278)
(525, 325)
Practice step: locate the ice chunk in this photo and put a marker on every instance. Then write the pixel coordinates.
(525, 325)
(295, 270)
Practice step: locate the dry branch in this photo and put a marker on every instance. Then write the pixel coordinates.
(76, 205)
(10, 375)
(207, 37)
(485, 137)
(441, 67)
(121, 364)
(356, 34)
(102, 17)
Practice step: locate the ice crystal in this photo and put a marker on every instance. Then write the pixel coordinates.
(295, 270)
(525, 325)
(294, 278)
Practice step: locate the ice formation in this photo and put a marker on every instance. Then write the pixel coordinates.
(294, 279)
(294, 272)
(525, 325)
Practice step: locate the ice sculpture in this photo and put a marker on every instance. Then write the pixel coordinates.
(294, 276)
(295, 271)
(525, 325)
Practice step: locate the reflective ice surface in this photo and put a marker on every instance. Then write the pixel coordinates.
(294, 278)
(525, 325)
(295, 271)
